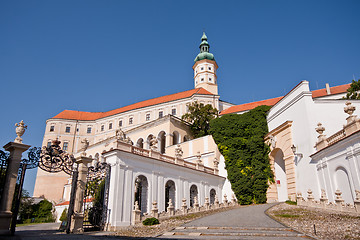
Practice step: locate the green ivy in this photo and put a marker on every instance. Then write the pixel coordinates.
(240, 139)
(151, 221)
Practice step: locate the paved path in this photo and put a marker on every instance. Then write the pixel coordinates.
(248, 222)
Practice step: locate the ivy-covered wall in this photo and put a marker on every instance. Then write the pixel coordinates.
(240, 139)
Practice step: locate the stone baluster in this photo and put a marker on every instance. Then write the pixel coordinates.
(196, 205)
(207, 203)
(323, 198)
(216, 202)
(299, 198)
(216, 166)
(233, 200)
(184, 208)
(339, 200)
(136, 214)
(310, 197)
(357, 200)
(353, 122)
(16, 149)
(154, 210)
(199, 163)
(171, 208)
(226, 204)
(321, 142)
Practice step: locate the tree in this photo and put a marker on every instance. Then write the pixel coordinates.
(64, 214)
(199, 117)
(353, 90)
(25, 209)
(240, 139)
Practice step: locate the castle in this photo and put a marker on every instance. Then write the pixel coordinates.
(156, 125)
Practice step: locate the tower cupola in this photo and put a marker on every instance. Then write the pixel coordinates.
(205, 68)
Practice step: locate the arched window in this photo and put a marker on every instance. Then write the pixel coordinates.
(212, 196)
(140, 143)
(161, 138)
(175, 137)
(169, 193)
(193, 194)
(141, 193)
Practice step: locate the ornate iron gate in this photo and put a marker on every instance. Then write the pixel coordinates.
(96, 196)
(4, 160)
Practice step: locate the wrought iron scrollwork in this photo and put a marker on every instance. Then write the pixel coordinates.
(98, 171)
(54, 159)
(33, 158)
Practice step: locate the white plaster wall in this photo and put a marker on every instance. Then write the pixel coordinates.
(126, 167)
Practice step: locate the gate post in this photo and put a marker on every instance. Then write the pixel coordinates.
(16, 149)
(78, 217)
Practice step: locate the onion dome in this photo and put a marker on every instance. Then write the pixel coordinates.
(204, 50)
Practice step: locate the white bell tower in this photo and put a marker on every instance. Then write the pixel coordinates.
(205, 68)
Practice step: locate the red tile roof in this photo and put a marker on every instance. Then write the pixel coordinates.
(271, 102)
(333, 90)
(77, 115)
(248, 106)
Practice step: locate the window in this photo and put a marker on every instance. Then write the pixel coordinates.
(102, 127)
(65, 146)
(210, 79)
(77, 129)
(131, 120)
(148, 117)
(67, 129)
(120, 123)
(88, 130)
(52, 128)
(202, 68)
(161, 114)
(209, 68)
(202, 79)
(110, 125)
(173, 111)
(48, 144)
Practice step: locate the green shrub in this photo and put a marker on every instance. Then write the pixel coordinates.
(151, 221)
(290, 202)
(240, 139)
(63, 216)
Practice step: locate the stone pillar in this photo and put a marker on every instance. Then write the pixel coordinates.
(168, 139)
(357, 201)
(171, 208)
(16, 149)
(78, 217)
(184, 208)
(216, 203)
(323, 198)
(310, 196)
(136, 214)
(154, 210)
(339, 200)
(196, 205)
(207, 203)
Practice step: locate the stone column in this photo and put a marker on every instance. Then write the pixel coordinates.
(16, 149)
(168, 139)
(78, 217)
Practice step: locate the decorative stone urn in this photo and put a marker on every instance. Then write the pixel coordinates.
(20, 130)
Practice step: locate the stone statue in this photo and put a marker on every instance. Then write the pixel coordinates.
(178, 151)
(272, 141)
(20, 130)
(153, 143)
(216, 163)
(84, 145)
(120, 135)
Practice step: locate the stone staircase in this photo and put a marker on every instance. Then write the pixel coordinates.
(233, 233)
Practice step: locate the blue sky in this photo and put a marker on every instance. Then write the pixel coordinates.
(101, 55)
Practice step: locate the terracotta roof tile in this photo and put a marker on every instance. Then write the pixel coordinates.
(273, 101)
(333, 90)
(67, 202)
(78, 115)
(249, 106)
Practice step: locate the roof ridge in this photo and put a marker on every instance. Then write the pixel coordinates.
(70, 114)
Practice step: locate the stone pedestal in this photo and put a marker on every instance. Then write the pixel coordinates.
(16, 150)
(207, 204)
(136, 214)
(154, 210)
(184, 208)
(171, 208)
(78, 217)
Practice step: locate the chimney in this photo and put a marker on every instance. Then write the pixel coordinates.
(328, 92)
